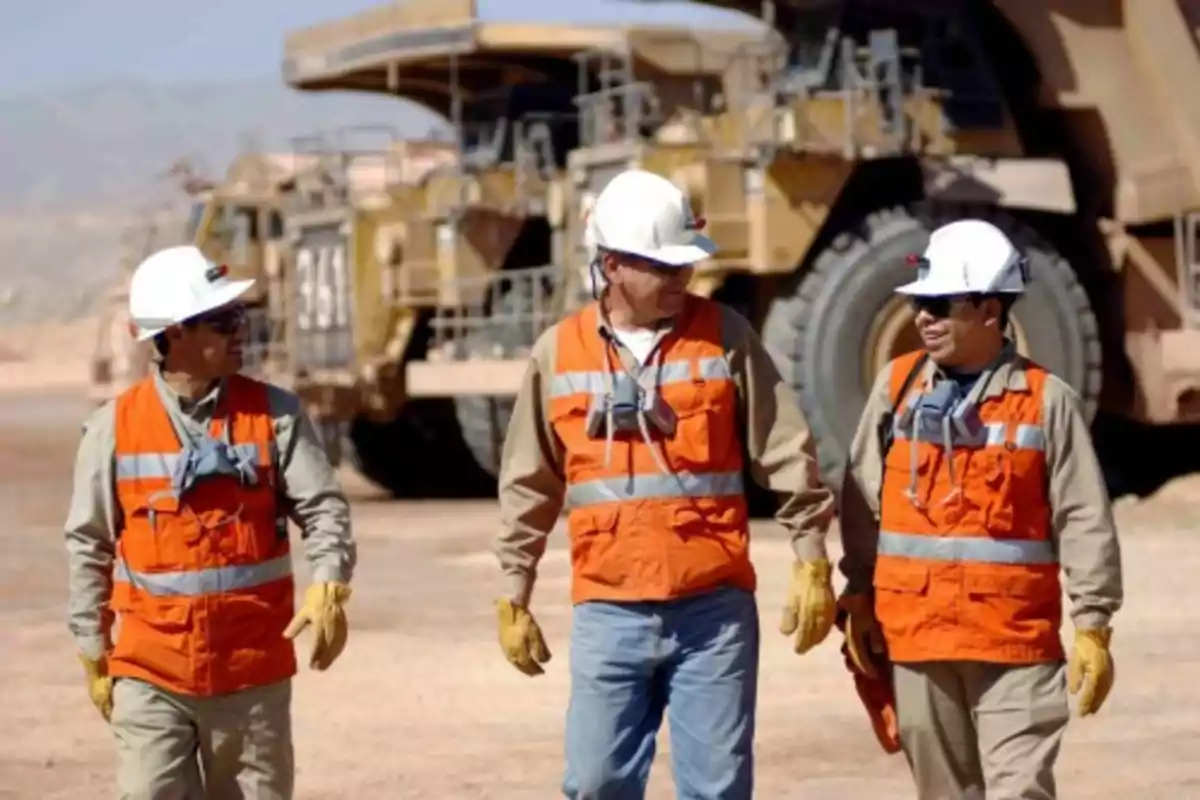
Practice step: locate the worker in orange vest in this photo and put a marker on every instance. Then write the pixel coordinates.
(972, 482)
(635, 412)
(178, 526)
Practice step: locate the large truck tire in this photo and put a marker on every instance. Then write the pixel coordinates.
(483, 419)
(819, 327)
(418, 455)
(484, 422)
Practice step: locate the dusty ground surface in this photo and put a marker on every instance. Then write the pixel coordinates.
(47, 356)
(422, 705)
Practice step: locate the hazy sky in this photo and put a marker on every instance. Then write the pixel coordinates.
(55, 44)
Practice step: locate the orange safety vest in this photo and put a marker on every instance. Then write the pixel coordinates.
(203, 582)
(975, 576)
(637, 533)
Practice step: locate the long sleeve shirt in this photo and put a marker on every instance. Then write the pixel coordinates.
(307, 487)
(780, 446)
(1082, 525)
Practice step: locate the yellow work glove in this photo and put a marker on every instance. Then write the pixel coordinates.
(99, 685)
(810, 607)
(323, 610)
(1091, 668)
(864, 638)
(521, 638)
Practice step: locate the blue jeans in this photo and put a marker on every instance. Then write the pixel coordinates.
(697, 659)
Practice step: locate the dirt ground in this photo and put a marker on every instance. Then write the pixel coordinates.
(422, 705)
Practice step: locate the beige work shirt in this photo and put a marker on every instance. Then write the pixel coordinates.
(781, 450)
(1084, 532)
(308, 487)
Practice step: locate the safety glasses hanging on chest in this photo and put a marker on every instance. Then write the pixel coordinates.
(944, 415)
(631, 405)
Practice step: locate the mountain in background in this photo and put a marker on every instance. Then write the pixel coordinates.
(77, 166)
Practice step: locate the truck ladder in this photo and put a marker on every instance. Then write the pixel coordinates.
(1187, 252)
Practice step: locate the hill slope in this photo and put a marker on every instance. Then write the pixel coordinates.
(75, 167)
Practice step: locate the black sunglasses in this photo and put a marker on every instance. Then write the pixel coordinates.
(225, 321)
(939, 307)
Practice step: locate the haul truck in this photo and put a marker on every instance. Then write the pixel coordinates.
(851, 129)
(235, 222)
(429, 263)
(347, 231)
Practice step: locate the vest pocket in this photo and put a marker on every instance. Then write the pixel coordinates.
(898, 585)
(700, 516)
(903, 578)
(898, 469)
(995, 494)
(1014, 605)
(597, 555)
(157, 537)
(706, 437)
(568, 418)
(1014, 583)
(695, 436)
(156, 635)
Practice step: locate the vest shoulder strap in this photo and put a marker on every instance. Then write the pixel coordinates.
(905, 371)
(248, 395)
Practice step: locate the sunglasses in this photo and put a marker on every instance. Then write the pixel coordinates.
(938, 307)
(225, 321)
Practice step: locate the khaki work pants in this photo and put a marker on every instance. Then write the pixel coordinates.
(228, 747)
(971, 730)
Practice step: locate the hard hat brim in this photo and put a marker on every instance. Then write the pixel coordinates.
(928, 288)
(221, 296)
(680, 255)
(931, 287)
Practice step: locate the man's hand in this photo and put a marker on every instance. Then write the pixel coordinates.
(520, 638)
(99, 685)
(864, 638)
(323, 610)
(810, 607)
(1091, 668)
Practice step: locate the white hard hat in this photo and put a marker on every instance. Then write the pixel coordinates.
(968, 256)
(646, 215)
(176, 284)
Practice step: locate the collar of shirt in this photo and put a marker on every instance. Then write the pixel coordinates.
(628, 360)
(1005, 374)
(187, 416)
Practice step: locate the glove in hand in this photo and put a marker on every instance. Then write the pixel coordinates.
(864, 637)
(520, 638)
(810, 606)
(322, 608)
(99, 685)
(1091, 669)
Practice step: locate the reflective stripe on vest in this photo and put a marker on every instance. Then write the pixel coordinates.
(992, 434)
(977, 549)
(593, 382)
(645, 487)
(162, 465)
(211, 580)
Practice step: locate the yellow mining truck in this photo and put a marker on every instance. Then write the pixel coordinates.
(347, 233)
(236, 222)
(429, 295)
(241, 225)
(1072, 124)
(851, 128)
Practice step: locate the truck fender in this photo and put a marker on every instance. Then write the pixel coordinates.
(1041, 184)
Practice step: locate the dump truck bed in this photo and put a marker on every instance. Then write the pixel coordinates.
(1122, 77)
